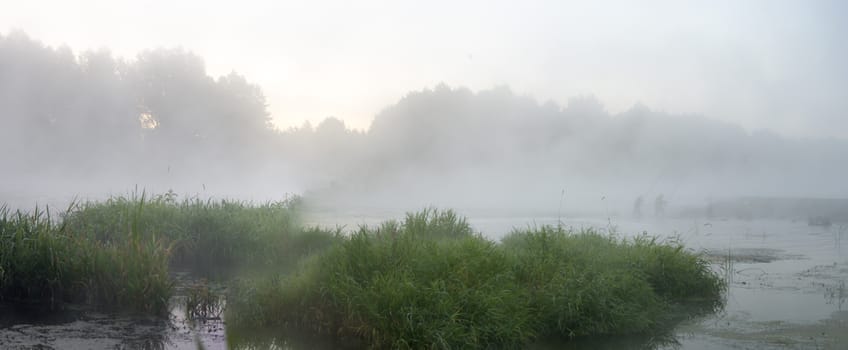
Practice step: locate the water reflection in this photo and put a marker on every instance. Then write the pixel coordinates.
(836, 295)
(777, 271)
(257, 339)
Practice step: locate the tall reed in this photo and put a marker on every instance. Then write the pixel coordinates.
(48, 262)
(431, 282)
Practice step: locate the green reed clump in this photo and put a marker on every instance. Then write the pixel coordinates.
(47, 262)
(206, 233)
(430, 282)
(674, 273)
(433, 223)
(202, 303)
(587, 283)
(116, 253)
(37, 262)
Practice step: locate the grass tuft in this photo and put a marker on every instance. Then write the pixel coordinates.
(49, 263)
(117, 253)
(430, 282)
(427, 281)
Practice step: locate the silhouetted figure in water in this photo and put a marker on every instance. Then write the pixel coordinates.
(659, 206)
(637, 207)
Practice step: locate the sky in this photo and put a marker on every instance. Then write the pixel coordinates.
(775, 65)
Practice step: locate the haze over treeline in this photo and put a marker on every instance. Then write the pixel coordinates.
(90, 123)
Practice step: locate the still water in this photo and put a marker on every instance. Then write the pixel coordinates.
(787, 289)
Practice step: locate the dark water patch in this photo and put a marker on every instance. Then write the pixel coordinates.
(88, 331)
(750, 255)
(83, 327)
(12, 314)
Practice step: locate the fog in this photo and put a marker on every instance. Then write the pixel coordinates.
(91, 123)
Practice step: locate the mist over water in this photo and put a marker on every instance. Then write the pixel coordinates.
(90, 124)
(749, 199)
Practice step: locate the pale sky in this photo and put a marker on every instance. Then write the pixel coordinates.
(777, 65)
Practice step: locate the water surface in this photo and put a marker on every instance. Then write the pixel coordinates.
(786, 290)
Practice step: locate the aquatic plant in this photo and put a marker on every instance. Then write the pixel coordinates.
(202, 303)
(117, 253)
(206, 234)
(431, 282)
(588, 283)
(47, 262)
(428, 282)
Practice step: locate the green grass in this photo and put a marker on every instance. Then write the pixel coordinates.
(202, 303)
(117, 253)
(206, 234)
(46, 262)
(587, 283)
(431, 282)
(427, 281)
